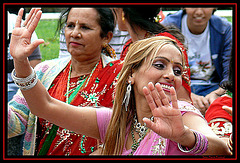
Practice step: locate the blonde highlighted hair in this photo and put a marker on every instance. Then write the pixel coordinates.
(137, 54)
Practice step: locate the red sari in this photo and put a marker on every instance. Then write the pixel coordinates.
(97, 89)
(218, 119)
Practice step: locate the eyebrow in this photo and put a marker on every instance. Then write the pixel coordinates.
(169, 60)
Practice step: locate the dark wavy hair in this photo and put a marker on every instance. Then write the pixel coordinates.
(105, 20)
(144, 17)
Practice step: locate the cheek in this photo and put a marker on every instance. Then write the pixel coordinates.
(67, 36)
(178, 83)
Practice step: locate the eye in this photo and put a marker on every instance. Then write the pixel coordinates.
(159, 65)
(177, 71)
(85, 27)
(70, 25)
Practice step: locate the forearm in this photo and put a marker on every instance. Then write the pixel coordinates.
(216, 146)
(37, 98)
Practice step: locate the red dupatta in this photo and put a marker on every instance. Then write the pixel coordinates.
(97, 90)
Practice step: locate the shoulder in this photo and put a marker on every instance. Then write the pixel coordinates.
(173, 19)
(220, 24)
(186, 107)
(43, 67)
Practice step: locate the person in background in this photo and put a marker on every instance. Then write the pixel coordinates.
(13, 145)
(209, 41)
(117, 42)
(86, 78)
(219, 113)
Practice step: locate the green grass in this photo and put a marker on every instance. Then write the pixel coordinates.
(46, 30)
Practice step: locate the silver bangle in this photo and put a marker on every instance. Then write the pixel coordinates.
(25, 83)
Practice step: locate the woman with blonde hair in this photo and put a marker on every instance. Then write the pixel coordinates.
(145, 119)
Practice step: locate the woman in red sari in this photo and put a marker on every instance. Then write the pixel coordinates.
(87, 78)
(141, 23)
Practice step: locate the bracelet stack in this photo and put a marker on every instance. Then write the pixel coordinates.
(200, 146)
(25, 83)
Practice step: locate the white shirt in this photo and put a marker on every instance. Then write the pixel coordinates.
(199, 54)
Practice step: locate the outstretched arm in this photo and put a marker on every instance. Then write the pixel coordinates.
(169, 123)
(80, 120)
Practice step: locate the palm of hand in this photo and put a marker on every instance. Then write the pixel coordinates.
(168, 121)
(20, 42)
(20, 45)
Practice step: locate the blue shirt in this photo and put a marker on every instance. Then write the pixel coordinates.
(220, 42)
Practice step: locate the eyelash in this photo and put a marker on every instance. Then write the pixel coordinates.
(161, 66)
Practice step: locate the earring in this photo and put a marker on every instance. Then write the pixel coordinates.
(127, 95)
(123, 18)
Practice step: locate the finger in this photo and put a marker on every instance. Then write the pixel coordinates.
(151, 125)
(155, 94)
(149, 98)
(205, 102)
(33, 15)
(174, 98)
(19, 18)
(227, 109)
(36, 43)
(32, 46)
(35, 21)
(163, 96)
(29, 16)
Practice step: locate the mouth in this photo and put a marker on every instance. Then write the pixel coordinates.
(199, 18)
(166, 86)
(76, 44)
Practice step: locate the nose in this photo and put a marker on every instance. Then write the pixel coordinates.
(76, 33)
(169, 76)
(198, 11)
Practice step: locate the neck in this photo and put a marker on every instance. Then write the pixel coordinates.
(80, 68)
(137, 33)
(143, 110)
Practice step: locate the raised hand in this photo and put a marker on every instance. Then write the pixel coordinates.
(20, 45)
(168, 121)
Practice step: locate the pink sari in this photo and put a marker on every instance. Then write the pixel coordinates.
(152, 144)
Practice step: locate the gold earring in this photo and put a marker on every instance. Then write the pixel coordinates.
(123, 18)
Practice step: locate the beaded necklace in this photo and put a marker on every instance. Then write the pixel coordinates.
(82, 80)
(141, 130)
(52, 133)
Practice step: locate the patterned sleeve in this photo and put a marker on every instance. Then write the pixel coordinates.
(19, 115)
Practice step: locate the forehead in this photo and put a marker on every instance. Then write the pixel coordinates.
(170, 51)
(83, 13)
